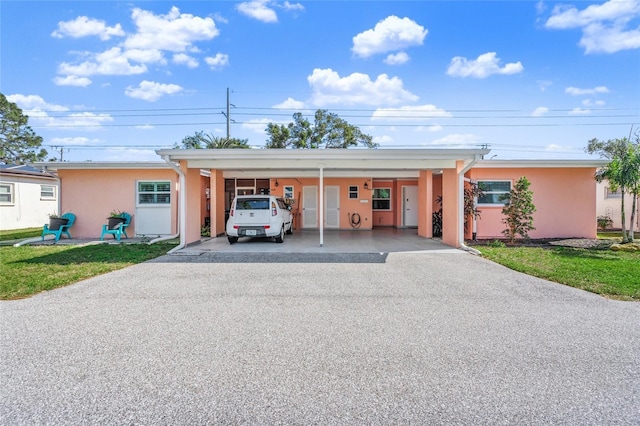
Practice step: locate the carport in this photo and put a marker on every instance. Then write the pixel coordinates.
(320, 166)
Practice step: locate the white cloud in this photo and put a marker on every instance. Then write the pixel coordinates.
(34, 102)
(397, 59)
(72, 80)
(383, 140)
(566, 17)
(39, 111)
(218, 61)
(129, 154)
(184, 59)
(539, 112)
(294, 7)
(592, 103)
(259, 10)
(151, 91)
(174, 32)
(258, 125)
(575, 91)
(77, 141)
(420, 112)
(544, 84)
(605, 27)
(390, 34)
(290, 103)
(155, 35)
(145, 56)
(83, 26)
(82, 120)
(482, 67)
(431, 129)
(331, 89)
(558, 148)
(458, 141)
(579, 111)
(110, 62)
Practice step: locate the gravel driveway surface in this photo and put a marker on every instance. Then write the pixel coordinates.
(410, 338)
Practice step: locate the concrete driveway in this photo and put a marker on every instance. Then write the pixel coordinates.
(418, 337)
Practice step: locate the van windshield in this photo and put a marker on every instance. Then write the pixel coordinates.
(252, 204)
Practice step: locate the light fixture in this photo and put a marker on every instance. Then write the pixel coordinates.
(366, 185)
(277, 183)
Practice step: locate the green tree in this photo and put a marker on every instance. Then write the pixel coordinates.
(622, 172)
(19, 144)
(518, 210)
(327, 131)
(201, 140)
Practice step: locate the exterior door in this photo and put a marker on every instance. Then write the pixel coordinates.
(410, 206)
(332, 206)
(309, 206)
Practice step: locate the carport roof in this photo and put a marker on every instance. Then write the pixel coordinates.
(373, 162)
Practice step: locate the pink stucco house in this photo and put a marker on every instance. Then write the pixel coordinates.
(333, 189)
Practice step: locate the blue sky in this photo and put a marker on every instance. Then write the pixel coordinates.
(110, 80)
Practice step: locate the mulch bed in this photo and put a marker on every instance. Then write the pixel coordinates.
(584, 243)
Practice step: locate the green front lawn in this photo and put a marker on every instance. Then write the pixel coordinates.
(19, 234)
(605, 272)
(28, 270)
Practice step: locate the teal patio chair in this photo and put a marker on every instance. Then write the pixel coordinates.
(119, 229)
(63, 229)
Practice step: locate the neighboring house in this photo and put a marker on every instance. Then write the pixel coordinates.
(333, 189)
(609, 204)
(27, 197)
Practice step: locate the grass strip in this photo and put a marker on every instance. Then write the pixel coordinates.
(605, 272)
(29, 270)
(17, 234)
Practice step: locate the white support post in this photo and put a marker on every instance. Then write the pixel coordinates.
(321, 206)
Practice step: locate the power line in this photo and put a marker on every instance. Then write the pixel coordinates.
(97, 126)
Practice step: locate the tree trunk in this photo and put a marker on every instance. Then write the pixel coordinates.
(633, 215)
(623, 217)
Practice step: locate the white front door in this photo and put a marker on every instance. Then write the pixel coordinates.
(332, 206)
(410, 206)
(309, 206)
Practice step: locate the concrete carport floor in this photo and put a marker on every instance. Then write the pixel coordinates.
(422, 337)
(378, 240)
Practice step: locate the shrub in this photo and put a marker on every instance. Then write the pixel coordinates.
(604, 222)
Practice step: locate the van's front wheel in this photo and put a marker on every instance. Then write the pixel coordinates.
(280, 238)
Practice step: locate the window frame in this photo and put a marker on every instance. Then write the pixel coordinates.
(388, 199)
(609, 194)
(354, 192)
(155, 193)
(288, 192)
(496, 204)
(54, 193)
(11, 193)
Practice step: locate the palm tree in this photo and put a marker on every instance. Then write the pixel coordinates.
(624, 172)
(203, 140)
(218, 142)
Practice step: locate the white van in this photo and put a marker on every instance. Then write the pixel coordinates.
(259, 216)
